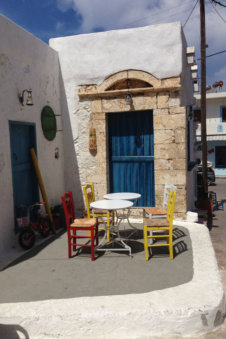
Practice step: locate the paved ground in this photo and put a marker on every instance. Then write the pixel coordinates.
(46, 273)
(37, 260)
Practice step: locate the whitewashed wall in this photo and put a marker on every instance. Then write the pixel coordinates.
(213, 103)
(26, 62)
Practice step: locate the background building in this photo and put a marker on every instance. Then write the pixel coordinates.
(215, 129)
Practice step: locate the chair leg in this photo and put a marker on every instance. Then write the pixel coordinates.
(108, 227)
(96, 234)
(74, 240)
(145, 243)
(92, 245)
(69, 247)
(171, 244)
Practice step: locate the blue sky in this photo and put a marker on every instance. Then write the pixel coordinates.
(56, 18)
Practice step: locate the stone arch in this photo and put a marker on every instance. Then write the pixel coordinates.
(135, 78)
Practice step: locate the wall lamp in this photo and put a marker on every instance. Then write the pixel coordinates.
(28, 97)
(128, 99)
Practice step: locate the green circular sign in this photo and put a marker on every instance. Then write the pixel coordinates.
(49, 126)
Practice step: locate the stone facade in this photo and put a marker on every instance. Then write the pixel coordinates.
(169, 119)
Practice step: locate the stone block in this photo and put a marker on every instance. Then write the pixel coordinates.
(179, 164)
(169, 121)
(170, 82)
(180, 205)
(170, 151)
(87, 89)
(177, 177)
(174, 99)
(132, 74)
(144, 102)
(180, 135)
(177, 110)
(99, 116)
(161, 111)
(115, 105)
(111, 80)
(163, 136)
(163, 100)
(97, 106)
(166, 164)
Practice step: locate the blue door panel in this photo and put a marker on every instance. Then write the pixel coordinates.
(25, 185)
(131, 154)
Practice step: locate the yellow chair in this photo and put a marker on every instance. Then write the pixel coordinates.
(160, 224)
(103, 216)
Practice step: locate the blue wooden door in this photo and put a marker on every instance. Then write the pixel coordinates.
(25, 185)
(131, 154)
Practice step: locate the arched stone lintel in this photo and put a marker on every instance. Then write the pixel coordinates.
(156, 85)
(128, 74)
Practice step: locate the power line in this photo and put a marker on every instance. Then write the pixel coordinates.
(208, 56)
(217, 11)
(190, 13)
(146, 17)
(219, 3)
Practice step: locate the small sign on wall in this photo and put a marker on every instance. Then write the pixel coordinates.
(219, 128)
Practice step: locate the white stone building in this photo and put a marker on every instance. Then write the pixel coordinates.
(28, 63)
(150, 64)
(83, 82)
(215, 129)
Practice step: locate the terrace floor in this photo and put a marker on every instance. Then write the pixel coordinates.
(42, 289)
(45, 272)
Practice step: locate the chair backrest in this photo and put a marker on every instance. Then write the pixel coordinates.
(68, 205)
(170, 207)
(167, 190)
(89, 195)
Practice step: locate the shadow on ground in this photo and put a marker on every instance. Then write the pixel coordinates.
(47, 273)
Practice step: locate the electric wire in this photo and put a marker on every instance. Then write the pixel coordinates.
(218, 3)
(149, 16)
(208, 56)
(190, 14)
(217, 11)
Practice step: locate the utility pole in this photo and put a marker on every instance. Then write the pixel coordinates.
(203, 97)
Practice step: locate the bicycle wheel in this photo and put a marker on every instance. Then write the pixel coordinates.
(27, 238)
(44, 227)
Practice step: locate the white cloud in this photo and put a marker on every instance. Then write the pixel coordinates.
(113, 14)
(117, 14)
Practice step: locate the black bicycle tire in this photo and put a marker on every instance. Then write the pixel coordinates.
(24, 235)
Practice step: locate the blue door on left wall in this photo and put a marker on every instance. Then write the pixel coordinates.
(25, 184)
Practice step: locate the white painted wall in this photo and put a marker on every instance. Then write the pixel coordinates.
(90, 58)
(213, 103)
(26, 62)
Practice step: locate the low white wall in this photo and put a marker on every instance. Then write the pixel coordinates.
(185, 310)
(26, 62)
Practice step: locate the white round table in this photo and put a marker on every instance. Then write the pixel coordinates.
(125, 196)
(122, 196)
(113, 205)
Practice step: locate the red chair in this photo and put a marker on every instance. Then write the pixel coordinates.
(73, 225)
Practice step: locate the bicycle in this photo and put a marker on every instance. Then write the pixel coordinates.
(32, 224)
